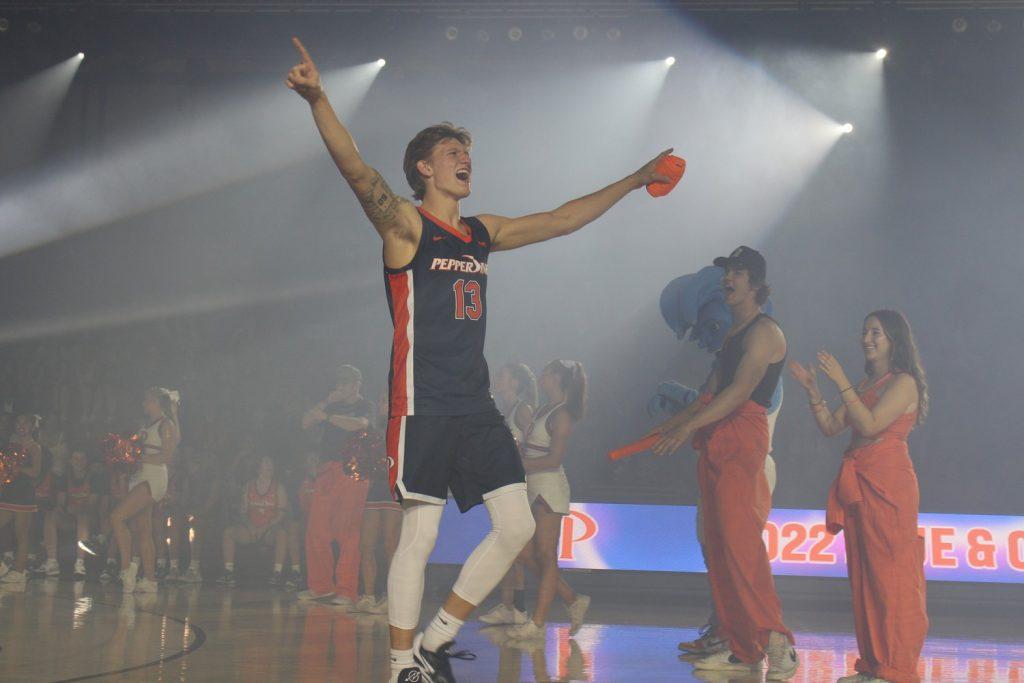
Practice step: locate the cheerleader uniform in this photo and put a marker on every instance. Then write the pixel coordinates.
(19, 495)
(154, 475)
(551, 485)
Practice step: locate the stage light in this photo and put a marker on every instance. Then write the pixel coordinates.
(80, 55)
(959, 25)
(669, 61)
(482, 36)
(881, 53)
(580, 33)
(994, 26)
(547, 34)
(515, 34)
(846, 128)
(451, 33)
(614, 33)
(381, 62)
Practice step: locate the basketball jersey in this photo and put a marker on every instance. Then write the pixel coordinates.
(438, 309)
(78, 492)
(261, 507)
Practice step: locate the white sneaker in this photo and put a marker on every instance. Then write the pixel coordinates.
(51, 568)
(381, 607)
(503, 614)
(128, 578)
(343, 602)
(365, 604)
(526, 631)
(4, 568)
(145, 586)
(312, 595)
(14, 578)
(192, 575)
(79, 569)
(173, 575)
(726, 661)
(577, 612)
(782, 659)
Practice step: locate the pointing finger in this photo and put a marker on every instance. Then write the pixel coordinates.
(302, 50)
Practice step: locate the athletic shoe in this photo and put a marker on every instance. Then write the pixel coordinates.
(227, 578)
(381, 607)
(526, 631)
(410, 675)
(79, 570)
(109, 572)
(435, 665)
(276, 580)
(782, 659)
(343, 602)
(4, 568)
(577, 611)
(14, 578)
(173, 575)
(192, 575)
(51, 568)
(291, 582)
(145, 586)
(503, 614)
(365, 604)
(128, 578)
(312, 595)
(726, 661)
(707, 642)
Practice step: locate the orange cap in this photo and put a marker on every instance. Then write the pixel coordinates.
(672, 167)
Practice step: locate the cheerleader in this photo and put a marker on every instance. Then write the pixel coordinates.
(564, 383)
(18, 498)
(146, 487)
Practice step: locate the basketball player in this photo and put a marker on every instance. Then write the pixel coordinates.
(444, 431)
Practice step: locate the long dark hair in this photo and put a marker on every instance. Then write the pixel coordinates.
(168, 406)
(526, 382)
(905, 357)
(573, 381)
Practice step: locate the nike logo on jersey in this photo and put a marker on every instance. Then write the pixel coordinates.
(467, 264)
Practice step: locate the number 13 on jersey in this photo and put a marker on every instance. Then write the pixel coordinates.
(468, 303)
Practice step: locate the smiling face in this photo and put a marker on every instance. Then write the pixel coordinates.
(736, 286)
(448, 169)
(874, 341)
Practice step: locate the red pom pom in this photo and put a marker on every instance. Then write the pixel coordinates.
(364, 456)
(122, 452)
(11, 459)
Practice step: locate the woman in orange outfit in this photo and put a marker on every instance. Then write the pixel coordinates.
(875, 498)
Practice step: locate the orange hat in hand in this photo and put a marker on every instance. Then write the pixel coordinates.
(671, 167)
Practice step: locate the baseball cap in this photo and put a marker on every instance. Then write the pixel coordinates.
(748, 259)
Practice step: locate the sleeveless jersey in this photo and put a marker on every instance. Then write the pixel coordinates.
(261, 507)
(729, 357)
(78, 492)
(438, 309)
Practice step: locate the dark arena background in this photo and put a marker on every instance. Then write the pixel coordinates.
(169, 217)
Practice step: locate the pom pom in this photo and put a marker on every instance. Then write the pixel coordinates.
(364, 456)
(122, 452)
(11, 459)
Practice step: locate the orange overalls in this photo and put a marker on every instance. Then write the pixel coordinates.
(874, 501)
(736, 502)
(335, 514)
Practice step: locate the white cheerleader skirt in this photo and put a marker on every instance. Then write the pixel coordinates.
(155, 476)
(552, 486)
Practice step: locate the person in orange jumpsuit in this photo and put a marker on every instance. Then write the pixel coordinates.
(336, 509)
(874, 499)
(729, 426)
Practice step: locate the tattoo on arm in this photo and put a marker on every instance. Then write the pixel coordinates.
(379, 202)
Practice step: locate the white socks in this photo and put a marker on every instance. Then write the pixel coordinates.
(442, 629)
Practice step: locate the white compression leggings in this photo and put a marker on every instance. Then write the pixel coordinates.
(512, 527)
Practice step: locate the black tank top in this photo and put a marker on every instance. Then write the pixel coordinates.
(729, 360)
(438, 306)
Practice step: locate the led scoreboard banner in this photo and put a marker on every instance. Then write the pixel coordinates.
(983, 548)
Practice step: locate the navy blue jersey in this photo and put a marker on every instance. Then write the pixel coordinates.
(438, 308)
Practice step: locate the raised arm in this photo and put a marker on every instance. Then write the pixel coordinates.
(900, 398)
(394, 217)
(830, 423)
(512, 233)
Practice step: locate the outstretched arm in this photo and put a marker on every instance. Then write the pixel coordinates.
(391, 215)
(512, 233)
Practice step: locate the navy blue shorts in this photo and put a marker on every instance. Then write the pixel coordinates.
(473, 456)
